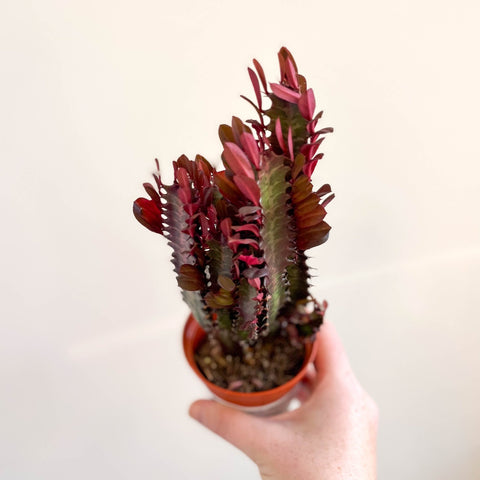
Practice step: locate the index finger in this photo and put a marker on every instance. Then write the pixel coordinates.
(331, 358)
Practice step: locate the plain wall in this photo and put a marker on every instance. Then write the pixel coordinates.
(93, 383)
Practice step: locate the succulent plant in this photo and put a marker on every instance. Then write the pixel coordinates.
(239, 235)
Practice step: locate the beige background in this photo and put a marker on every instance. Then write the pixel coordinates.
(93, 383)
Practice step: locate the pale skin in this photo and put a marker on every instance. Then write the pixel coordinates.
(332, 436)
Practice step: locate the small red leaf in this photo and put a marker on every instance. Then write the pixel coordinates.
(249, 188)
(256, 86)
(290, 143)
(158, 179)
(152, 193)
(281, 63)
(234, 242)
(248, 211)
(225, 133)
(302, 83)
(318, 116)
(302, 188)
(313, 236)
(203, 165)
(251, 260)
(285, 93)
(254, 106)
(261, 74)
(279, 133)
(183, 162)
(291, 73)
(323, 190)
(237, 160)
(228, 189)
(285, 53)
(308, 206)
(249, 227)
(181, 176)
(309, 220)
(249, 144)
(309, 168)
(148, 214)
(306, 104)
(238, 128)
(323, 131)
(328, 200)
(185, 196)
(226, 227)
(309, 149)
(298, 165)
(191, 208)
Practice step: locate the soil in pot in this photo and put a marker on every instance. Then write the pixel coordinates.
(271, 362)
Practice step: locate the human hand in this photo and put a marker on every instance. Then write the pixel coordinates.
(332, 435)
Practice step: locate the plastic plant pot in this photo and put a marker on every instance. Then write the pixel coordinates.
(267, 402)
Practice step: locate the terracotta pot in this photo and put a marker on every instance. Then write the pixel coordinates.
(193, 335)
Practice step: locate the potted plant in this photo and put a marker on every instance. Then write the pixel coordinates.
(239, 237)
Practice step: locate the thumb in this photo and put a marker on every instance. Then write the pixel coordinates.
(240, 429)
(331, 357)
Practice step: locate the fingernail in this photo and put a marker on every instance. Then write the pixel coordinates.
(195, 412)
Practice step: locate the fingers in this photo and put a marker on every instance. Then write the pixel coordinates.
(302, 392)
(240, 429)
(331, 357)
(305, 388)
